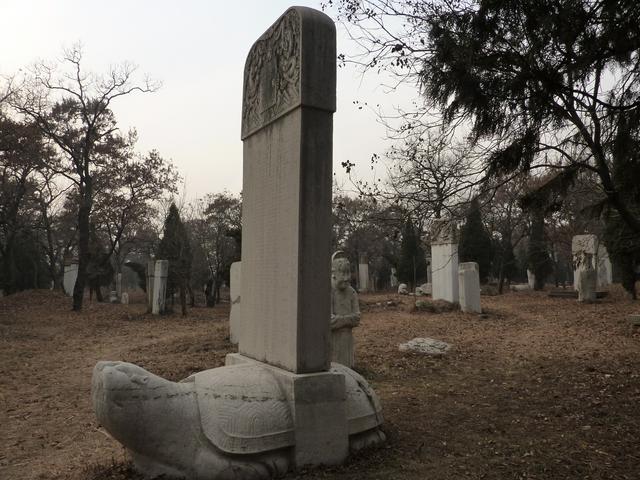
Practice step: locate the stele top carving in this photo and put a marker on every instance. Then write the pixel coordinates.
(272, 74)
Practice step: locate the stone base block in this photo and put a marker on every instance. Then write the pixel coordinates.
(318, 406)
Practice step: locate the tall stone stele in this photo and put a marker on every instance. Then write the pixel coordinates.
(363, 274)
(345, 311)
(444, 260)
(278, 404)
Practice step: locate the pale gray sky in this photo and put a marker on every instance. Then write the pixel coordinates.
(197, 50)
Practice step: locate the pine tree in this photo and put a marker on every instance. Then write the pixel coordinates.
(176, 248)
(475, 242)
(413, 265)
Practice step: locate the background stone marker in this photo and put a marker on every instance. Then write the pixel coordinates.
(287, 130)
(584, 249)
(151, 271)
(235, 316)
(444, 261)
(70, 277)
(363, 274)
(469, 286)
(160, 286)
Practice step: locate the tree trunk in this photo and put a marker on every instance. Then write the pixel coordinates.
(183, 299)
(83, 243)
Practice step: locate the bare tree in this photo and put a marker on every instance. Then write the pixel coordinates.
(72, 109)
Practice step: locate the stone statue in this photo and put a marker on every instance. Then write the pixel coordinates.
(345, 311)
(233, 422)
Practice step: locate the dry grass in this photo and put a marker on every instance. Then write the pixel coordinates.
(541, 388)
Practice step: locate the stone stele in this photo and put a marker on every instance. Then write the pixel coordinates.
(444, 260)
(345, 311)
(469, 286)
(278, 404)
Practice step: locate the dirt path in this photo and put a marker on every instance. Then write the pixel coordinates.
(542, 388)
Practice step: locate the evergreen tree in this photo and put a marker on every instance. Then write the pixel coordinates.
(412, 267)
(475, 242)
(176, 248)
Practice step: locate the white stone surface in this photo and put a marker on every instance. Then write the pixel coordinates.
(469, 287)
(160, 286)
(235, 315)
(444, 261)
(70, 277)
(428, 346)
(403, 289)
(584, 249)
(125, 298)
(426, 288)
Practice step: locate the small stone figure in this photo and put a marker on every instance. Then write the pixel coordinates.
(345, 311)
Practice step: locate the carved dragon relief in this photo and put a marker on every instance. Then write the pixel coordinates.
(272, 74)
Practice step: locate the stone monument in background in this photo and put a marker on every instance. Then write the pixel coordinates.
(160, 286)
(363, 274)
(345, 311)
(278, 404)
(444, 260)
(469, 287)
(70, 276)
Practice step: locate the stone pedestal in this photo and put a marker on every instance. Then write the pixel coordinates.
(317, 401)
(469, 285)
(444, 261)
(235, 317)
(160, 286)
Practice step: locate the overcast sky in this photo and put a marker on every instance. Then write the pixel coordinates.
(197, 49)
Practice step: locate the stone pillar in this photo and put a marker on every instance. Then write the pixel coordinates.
(70, 277)
(587, 281)
(287, 121)
(151, 269)
(429, 271)
(444, 260)
(469, 285)
(160, 286)
(393, 280)
(363, 274)
(235, 317)
(584, 249)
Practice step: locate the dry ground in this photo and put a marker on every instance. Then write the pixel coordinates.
(540, 389)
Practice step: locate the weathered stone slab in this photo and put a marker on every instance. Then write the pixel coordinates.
(444, 261)
(403, 289)
(70, 277)
(363, 274)
(587, 282)
(160, 286)
(235, 315)
(428, 346)
(151, 271)
(604, 267)
(289, 100)
(469, 285)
